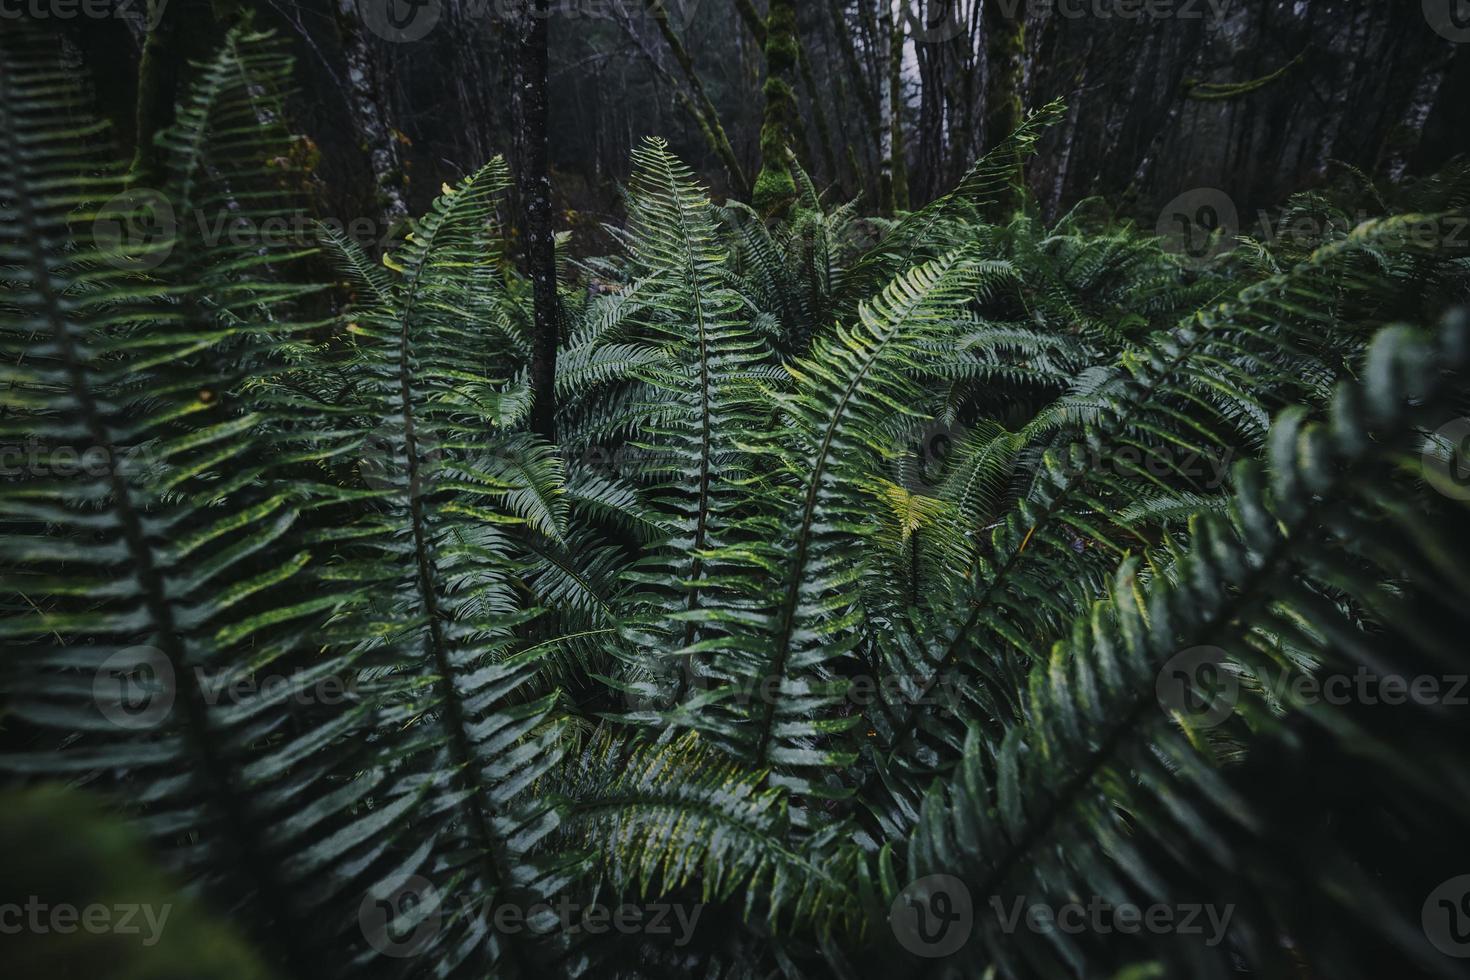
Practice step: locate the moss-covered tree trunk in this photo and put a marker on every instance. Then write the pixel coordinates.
(1005, 56)
(757, 29)
(774, 187)
(701, 106)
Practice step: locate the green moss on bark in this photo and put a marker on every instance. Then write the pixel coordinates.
(774, 187)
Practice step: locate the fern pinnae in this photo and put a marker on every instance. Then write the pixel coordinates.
(673, 230)
(1315, 472)
(831, 403)
(177, 574)
(1064, 486)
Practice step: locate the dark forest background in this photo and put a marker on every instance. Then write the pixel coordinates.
(1259, 98)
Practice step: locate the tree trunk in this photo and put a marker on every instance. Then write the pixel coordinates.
(529, 115)
(182, 31)
(774, 188)
(867, 101)
(752, 19)
(814, 95)
(708, 117)
(1005, 57)
(370, 117)
(819, 115)
(898, 165)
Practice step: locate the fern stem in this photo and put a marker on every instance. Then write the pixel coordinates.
(215, 765)
(797, 570)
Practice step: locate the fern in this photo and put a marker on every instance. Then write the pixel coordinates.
(746, 641)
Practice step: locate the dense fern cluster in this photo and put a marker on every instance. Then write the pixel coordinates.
(863, 558)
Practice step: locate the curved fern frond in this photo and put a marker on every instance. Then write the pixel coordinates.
(160, 531)
(1109, 784)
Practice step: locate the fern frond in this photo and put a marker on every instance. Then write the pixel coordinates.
(1102, 789)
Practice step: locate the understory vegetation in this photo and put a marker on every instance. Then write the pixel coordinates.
(867, 551)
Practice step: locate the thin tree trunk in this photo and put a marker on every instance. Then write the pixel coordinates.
(966, 49)
(819, 115)
(182, 31)
(774, 187)
(529, 115)
(867, 101)
(1069, 136)
(370, 117)
(714, 132)
(899, 165)
(753, 21)
(757, 29)
(933, 131)
(872, 46)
